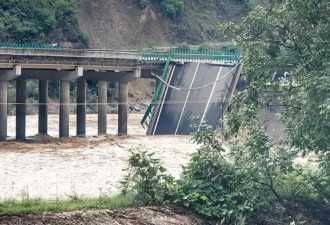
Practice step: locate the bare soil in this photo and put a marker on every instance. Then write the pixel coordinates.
(121, 24)
(137, 216)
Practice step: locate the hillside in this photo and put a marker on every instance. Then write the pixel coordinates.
(117, 24)
(120, 24)
(113, 24)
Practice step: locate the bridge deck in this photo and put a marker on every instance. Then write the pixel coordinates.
(65, 65)
(206, 90)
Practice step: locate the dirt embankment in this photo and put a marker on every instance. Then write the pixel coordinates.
(137, 216)
(121, 24)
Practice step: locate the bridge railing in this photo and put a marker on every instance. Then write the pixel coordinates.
(192, 55)
(157, 93)
(31, 46)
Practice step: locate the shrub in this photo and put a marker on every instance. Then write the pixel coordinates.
(143, 3)
(265, 162)
(211, 184)
(324, 175)
(147, 179)
(183, 46)
(255, 175)
(204, 47)
(213, 187)
(171, 8)
(320, 178)
(32, 89)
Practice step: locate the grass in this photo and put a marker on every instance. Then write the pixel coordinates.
(39, 205)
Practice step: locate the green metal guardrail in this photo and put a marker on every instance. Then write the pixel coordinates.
(158, 90)
(178, 54)
(31, 46)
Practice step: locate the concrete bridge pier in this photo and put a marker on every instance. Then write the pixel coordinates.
(102, 106)
(64, 108)
(20, 109)
(64, 76)
(5, 76)
(122, 108)
(3, 109)
(43, 107)
(81, 106)
(122, 77)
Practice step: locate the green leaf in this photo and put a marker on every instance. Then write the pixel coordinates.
(204, 198)
(162, 169)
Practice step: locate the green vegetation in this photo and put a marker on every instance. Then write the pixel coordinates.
(33, 21)
(147, 179)
(196, 21)
(38, 205)
(257, 177)
(170, 8)
(292, 36)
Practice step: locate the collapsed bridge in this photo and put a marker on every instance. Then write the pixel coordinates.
(192, 87)
(183, 68)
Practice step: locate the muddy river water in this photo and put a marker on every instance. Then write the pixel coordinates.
(85, 167)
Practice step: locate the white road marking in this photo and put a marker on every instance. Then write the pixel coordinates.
(208, 102)
(184, 106)
(161, 107)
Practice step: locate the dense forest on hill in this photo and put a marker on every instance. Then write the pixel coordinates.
(39, 21)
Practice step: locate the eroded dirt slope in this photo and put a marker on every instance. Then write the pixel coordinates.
(121, 24)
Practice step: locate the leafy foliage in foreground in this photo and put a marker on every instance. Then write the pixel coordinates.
(255, 175)
(147, 179)
(291, 36)
(212, 185)
(288, 36)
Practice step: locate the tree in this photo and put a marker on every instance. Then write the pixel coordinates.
(291, 35)
(31, 21)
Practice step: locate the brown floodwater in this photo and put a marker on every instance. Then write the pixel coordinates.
(53, 168)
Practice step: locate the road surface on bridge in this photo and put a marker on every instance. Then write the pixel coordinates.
(176, 107)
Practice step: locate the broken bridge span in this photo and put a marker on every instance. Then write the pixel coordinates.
(20, 63)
